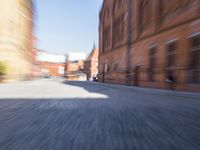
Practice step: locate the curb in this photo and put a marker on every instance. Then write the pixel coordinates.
(153, 91)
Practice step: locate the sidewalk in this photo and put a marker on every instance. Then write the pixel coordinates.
(154, 91)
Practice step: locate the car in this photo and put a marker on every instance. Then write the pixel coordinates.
(95, 79)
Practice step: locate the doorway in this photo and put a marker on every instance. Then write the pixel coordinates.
(137, 75)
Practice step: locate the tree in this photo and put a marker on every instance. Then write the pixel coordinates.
(3, 68)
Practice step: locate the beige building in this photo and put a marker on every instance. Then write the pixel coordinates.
(16, 24)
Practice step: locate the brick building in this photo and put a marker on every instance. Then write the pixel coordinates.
(142, 41)
(52, 69)
(74, 66)
(74, 70)
(91, 64)
(51, 64)
(16, 28)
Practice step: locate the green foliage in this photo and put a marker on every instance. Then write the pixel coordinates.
(3, 68)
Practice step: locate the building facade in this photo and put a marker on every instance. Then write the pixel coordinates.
(91, 64)
(74, 66)
(51, 69)
(141, 42)
(50, 64)
(16, 27)
(74, 70)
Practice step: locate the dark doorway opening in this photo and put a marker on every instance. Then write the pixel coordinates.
(137, 75)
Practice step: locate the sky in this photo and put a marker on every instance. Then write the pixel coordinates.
(63, 26)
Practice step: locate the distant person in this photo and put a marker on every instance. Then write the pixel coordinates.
(171, 81)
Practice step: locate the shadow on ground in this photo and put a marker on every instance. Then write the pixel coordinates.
(122, 121)
(91, 87)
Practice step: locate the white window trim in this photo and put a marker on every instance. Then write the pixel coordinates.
(171, 41)
(194, 35)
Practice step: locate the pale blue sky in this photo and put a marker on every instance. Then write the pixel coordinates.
(67, 25)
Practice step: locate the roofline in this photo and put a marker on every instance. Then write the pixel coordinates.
(102, 8)
(53, 53)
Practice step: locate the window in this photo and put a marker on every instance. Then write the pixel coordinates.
(195, 60)
(171, 51)
(119, 4)
(106, 30)
(152, 63)
(107, 14)
(118, 30)
(171, 7)
(118, 22)
(146, 13)
(106, 68)
(75, 62)
(171, 56)
(116, 66)
(106, 38)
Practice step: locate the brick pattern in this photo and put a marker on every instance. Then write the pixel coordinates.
(153, 23)
(52, 69)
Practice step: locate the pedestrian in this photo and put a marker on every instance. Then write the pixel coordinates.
(171, 81)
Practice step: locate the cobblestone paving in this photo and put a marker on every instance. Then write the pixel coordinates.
(92, 116)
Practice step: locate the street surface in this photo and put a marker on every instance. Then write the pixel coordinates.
(56, 115)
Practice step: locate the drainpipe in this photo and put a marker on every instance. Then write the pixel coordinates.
(128, 67)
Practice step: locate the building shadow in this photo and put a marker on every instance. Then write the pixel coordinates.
(91, 87)
(70, 91)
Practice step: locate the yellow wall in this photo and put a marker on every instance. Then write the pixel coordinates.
(16, 36)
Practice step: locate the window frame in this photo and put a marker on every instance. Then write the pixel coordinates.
(152, 62)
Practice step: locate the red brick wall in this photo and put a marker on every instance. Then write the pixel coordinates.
(152, 23)
(74, 66)
(91, 64)
(52, 67)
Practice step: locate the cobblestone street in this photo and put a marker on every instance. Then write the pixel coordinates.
(58, 115)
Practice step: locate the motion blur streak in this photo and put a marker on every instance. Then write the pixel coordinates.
(16, 37)
(128, 119)
(137, 89)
